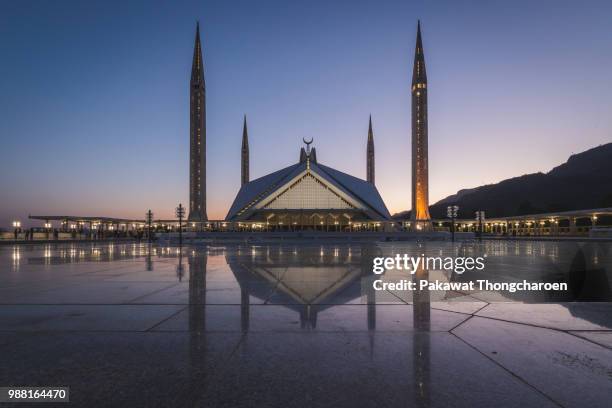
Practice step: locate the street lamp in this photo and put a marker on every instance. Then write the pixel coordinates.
(451, 212)
(149, 220)
(180, 214)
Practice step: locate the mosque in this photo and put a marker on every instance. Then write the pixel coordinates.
(308, 195)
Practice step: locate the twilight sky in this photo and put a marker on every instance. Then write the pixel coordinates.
(94, 96)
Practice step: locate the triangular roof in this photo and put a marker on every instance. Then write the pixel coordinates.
(356, 189)
(287, 286)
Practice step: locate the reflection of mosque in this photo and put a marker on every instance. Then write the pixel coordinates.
(307, 284)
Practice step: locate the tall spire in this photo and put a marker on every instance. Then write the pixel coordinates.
(370, 154)
(419, 74)
(197, 66)
(420, 168)
(197, 136)
(244, 157)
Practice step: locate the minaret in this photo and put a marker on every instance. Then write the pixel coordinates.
(370, 154)
(244, 162)
(197, 135)
(420, 179)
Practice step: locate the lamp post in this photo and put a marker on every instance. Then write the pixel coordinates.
(149, 220)
(180, 214)
(451, 212)
(480, 217)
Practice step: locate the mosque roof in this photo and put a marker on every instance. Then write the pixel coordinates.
(359, 190)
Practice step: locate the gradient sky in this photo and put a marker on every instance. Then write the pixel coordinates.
(94, 96)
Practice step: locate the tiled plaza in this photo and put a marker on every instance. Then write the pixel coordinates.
(298, 325)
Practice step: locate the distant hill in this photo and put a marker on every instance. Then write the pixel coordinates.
(584, 181)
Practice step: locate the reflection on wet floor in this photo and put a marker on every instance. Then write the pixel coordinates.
(301, 325)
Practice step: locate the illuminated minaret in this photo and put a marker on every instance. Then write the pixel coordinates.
(197, 135)
(244, 158)
(370, 154)
(420, 178)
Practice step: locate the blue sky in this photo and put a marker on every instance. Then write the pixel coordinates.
(95, 95)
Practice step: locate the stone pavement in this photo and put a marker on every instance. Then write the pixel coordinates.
(133, 325)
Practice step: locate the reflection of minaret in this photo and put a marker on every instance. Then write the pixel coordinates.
(370, 154)
(421, 346)
(420, 178)
(197, 134)
(244, 157)
(197, 303)
(196, 309)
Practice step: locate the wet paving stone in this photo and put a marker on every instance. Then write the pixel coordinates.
(294, 325)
